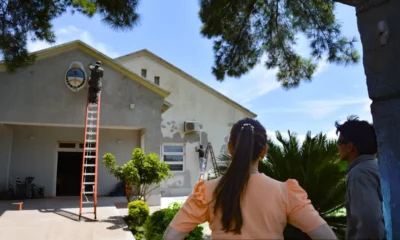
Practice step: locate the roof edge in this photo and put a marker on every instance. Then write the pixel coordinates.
(77, 44)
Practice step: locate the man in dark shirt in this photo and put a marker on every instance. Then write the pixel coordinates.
(95, 81)
(202, 160)
(358, 146)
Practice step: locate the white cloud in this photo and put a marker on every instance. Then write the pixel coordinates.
(71, 33)
(321, 108)
(332, 134)
(321, 67)
(300, 137)
(260, 81)
(250, 87)
(367, 106)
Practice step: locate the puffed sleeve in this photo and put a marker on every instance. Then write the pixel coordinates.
(194, 211)
(300, 212)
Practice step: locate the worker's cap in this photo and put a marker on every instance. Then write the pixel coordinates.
(98, 63)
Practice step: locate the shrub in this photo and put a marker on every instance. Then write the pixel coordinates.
(138, 212)
(142, 172)
(158, 222)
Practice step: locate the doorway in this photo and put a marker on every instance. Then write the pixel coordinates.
(69, 170)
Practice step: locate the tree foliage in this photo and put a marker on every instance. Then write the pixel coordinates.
(243, 31)
(22, 20)
(159, 221)
(142, 171)
(315, 164)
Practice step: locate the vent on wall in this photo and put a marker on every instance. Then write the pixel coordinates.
(191, 127)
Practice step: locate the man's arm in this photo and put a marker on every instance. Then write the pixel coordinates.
(366, 206)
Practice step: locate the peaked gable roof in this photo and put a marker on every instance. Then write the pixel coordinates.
(77, 44)
(190, 78)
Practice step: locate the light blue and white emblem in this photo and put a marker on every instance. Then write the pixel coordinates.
(76, 77)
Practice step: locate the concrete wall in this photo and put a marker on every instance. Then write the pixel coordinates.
(39, 95)
(37, 157)
(5, 153)
(190, 103)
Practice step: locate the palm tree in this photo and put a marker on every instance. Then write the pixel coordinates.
(315, 164)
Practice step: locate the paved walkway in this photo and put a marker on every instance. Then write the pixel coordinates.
(57, 219)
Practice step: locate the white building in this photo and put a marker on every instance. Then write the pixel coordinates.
(145, 103)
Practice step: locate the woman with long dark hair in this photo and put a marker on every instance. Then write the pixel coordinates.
(244, 204)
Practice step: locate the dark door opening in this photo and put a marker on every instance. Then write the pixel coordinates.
(69, 169)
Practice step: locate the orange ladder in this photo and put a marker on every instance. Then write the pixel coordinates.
(88, 194)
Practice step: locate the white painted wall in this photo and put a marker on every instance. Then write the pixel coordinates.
(190, 102)
(37, 157)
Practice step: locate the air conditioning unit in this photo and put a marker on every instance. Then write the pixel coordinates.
(191, 127)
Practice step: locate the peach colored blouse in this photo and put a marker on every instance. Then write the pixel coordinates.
(266, 207)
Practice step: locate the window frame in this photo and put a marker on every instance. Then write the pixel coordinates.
(77, 147)
(183, 153)
(157, 80)
(143, 70)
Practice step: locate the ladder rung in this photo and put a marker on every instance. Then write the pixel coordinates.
(88, 183)
(90, 156)
(90, 149)
(90, 165)
(92, 111)
(88, 202)
(91, 126)
(88, 174)
(90, 140)
(92, 119)
(91, 133)
(88, 192)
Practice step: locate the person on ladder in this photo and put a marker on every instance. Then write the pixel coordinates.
(95, 82)
(202, 160)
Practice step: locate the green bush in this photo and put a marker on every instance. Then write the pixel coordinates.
(158, 222)
(138, 212)
(143, 171)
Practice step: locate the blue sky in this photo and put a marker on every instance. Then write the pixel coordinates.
(171, 30)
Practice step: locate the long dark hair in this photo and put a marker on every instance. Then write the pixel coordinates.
(249, 138)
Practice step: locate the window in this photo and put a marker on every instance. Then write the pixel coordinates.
(70, 147)
(173, 155)
(144, 73)
(67, 145)
(157, 80)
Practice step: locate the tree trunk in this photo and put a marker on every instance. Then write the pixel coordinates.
(382, 66)
(128, 192)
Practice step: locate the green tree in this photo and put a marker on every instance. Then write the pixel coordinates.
(142, 172)
(21, 20)
(315, 164)
(243, 31)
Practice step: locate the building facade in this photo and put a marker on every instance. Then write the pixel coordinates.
(145, 103)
